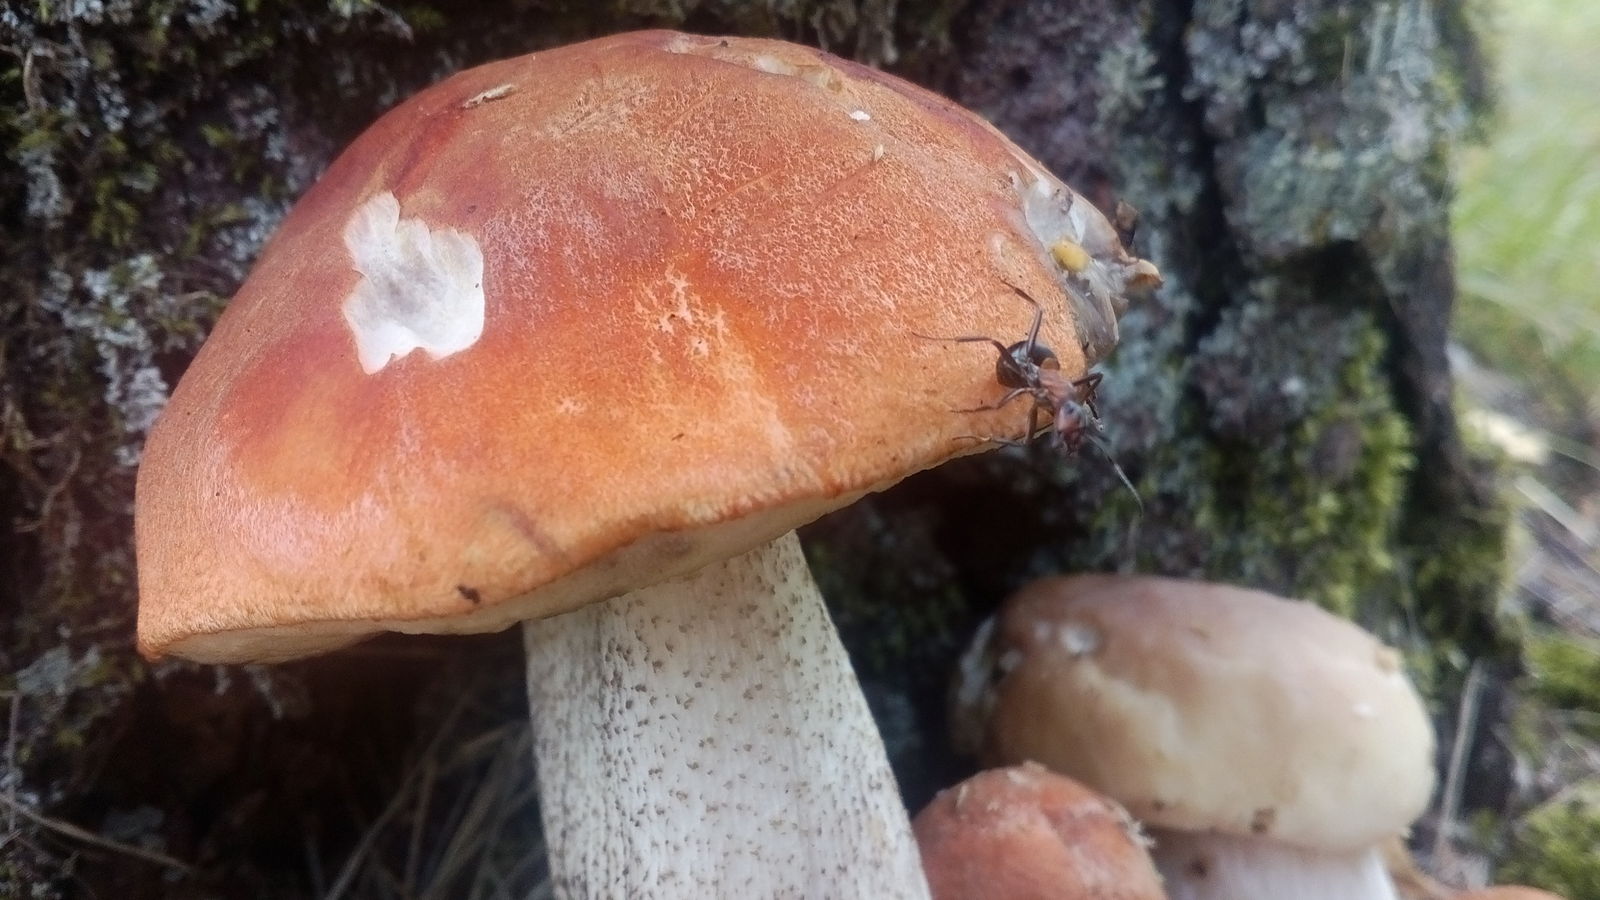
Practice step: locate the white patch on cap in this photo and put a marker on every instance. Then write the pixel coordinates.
(420, 289)
(861, 115)
(494, 93)
(1009, 659)
(1078, 639)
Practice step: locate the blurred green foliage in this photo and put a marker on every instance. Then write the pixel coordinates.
(1527, 223)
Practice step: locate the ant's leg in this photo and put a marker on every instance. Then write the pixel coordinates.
(1004, 442)
(1090, 383)
(1087, 387)
(1038, 316)
(1028, 437)
(966, 339)
(1033, 421)
(998, 404)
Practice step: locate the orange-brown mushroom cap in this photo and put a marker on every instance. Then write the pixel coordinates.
(1025, 833)
(571, 323)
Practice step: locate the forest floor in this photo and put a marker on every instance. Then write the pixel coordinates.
(1527, 229)
(1527, 233)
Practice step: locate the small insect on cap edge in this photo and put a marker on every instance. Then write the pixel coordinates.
(1070, 255)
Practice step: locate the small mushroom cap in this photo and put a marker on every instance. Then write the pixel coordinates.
(569, 324)
(1205, 707)
(1025, 833)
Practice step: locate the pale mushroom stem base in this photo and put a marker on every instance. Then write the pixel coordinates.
(1230, 867)
(706, 737)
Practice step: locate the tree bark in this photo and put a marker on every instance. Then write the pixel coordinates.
(1283, 403)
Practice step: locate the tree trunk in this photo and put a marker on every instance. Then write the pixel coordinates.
(1283, 404)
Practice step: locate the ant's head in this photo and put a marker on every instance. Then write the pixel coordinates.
(1019, 366)
(1075, 423)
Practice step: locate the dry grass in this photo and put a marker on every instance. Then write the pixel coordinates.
(1528, 213)
(463, 824)
(1528, 240)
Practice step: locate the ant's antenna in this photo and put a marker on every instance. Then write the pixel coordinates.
(1131, 539)
(1117, 468)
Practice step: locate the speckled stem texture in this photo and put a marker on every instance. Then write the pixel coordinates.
(706, 738)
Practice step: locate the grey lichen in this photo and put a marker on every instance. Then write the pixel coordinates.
(1287, 160)
(135, 389)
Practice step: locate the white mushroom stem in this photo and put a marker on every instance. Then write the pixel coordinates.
(706, 737)
(1229, 867)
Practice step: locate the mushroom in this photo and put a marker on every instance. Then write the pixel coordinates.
(1026, 833)
(1272, 746)
(578, 339)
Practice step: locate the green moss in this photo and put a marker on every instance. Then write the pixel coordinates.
(1557, 845)
(889, 612)
(1564, 672)
(1456, 543)
(1333, 484)
(1292, 476)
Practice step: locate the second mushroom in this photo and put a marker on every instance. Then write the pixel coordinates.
(1270, 746)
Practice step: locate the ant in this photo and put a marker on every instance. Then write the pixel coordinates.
(1032, 369)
